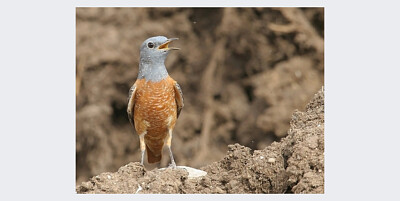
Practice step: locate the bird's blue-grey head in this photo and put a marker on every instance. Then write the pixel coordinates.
(153, 53)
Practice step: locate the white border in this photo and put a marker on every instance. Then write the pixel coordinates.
(37, 80)
(204, 3)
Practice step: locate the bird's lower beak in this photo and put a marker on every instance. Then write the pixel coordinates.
(164, 46)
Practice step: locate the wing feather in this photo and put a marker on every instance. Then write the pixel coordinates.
(178, 98)
(131, 104)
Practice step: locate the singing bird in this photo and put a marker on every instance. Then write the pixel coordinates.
(155, 100)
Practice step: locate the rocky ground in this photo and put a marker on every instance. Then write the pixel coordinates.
(293, 165)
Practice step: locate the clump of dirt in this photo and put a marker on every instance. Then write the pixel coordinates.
(243, 71)
(294, 165)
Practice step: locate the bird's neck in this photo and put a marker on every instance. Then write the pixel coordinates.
(153, 72)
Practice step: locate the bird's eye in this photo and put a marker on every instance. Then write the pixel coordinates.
(150, 45)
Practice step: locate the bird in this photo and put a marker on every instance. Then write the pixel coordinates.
(155, 100)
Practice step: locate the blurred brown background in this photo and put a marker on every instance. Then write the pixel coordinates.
(243, 71)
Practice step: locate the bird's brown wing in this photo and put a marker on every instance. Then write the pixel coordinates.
(131, 104)
(178, 98)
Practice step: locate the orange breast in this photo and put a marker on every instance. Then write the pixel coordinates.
(155, 110)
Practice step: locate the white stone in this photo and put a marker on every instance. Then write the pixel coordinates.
(193, 173)
(271, 160)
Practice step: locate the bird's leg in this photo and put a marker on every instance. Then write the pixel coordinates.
(142, 147)
(173, 164)
(168, 143)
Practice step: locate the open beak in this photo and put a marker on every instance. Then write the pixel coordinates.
(164, 46)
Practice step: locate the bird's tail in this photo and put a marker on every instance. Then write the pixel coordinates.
(153, 156)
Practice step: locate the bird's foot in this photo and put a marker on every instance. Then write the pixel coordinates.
(172, 165)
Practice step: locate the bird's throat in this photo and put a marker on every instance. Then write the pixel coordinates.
(152, 72)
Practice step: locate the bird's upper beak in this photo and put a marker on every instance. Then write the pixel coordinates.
(164, 46)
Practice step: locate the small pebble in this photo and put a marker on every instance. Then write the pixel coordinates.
(298, 74)
(139, 189)
(109, 176)
(271, 160)
(261, 157)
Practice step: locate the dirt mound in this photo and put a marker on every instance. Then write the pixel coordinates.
(294, 165)
(243, 71)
